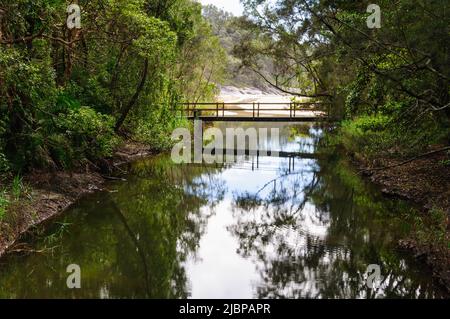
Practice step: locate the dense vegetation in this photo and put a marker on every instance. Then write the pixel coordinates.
(228, 30)
(389, 84)
(70, 95)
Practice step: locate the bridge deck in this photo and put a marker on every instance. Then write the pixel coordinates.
(254, 112)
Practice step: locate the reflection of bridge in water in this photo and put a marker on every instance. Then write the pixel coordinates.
(255, 156)
(256, 112)
(263, 153)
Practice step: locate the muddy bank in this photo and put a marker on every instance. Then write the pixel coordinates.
(51, 192)
(425, 183)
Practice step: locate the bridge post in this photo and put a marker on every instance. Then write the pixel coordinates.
(257, 160)
(217, 109)
(198, 141)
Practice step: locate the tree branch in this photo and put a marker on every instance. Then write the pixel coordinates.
(408, 161)
(287, 91)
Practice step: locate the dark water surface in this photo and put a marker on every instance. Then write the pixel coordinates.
(260, 228)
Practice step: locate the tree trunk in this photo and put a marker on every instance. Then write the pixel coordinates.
(126, 110)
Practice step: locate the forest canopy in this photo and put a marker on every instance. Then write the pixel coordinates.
(69, 94)
(388, 81)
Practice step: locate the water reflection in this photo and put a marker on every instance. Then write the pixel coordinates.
(130, 242)
(262, 227)
(311, 236)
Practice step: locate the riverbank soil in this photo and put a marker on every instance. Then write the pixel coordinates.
(426, 183)
(49, 193)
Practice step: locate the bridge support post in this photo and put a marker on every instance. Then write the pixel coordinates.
(198, 141)
(257, 160)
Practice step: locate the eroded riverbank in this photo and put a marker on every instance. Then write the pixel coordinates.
(51, 193)
(425, 183)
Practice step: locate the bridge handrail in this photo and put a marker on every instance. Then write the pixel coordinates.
(250, 103)
(196, 108)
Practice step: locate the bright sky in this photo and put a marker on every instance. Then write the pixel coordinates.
(233, 6)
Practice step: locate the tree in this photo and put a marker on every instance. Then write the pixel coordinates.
(127, 64)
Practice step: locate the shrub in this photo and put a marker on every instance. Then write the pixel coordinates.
(17, 187)
(432, 228)
(366, 134)
(83, 133)
(372, 123)
(157, 130)
(4, 164)
(3, 205)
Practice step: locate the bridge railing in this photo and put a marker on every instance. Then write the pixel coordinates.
(251, 110)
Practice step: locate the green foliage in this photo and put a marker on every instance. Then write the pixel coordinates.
(230, 34)
(83, 133)
(4, 164)
(365, 134)
(445, 163)
(382, 134)
(3, 205)
(17, 187)
(370, 123)
(59, 102)
(354, 92)
(393, 82)
(431, 229)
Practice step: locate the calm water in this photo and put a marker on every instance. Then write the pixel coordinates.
(259, 228)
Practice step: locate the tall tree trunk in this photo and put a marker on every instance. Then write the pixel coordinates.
(126, 110)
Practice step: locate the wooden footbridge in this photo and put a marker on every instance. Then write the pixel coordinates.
(255, 112)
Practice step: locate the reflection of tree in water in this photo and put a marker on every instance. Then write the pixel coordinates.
(171, 222)
(312, 235)
(130, 243)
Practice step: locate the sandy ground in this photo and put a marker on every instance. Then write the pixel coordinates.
(250, 95)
